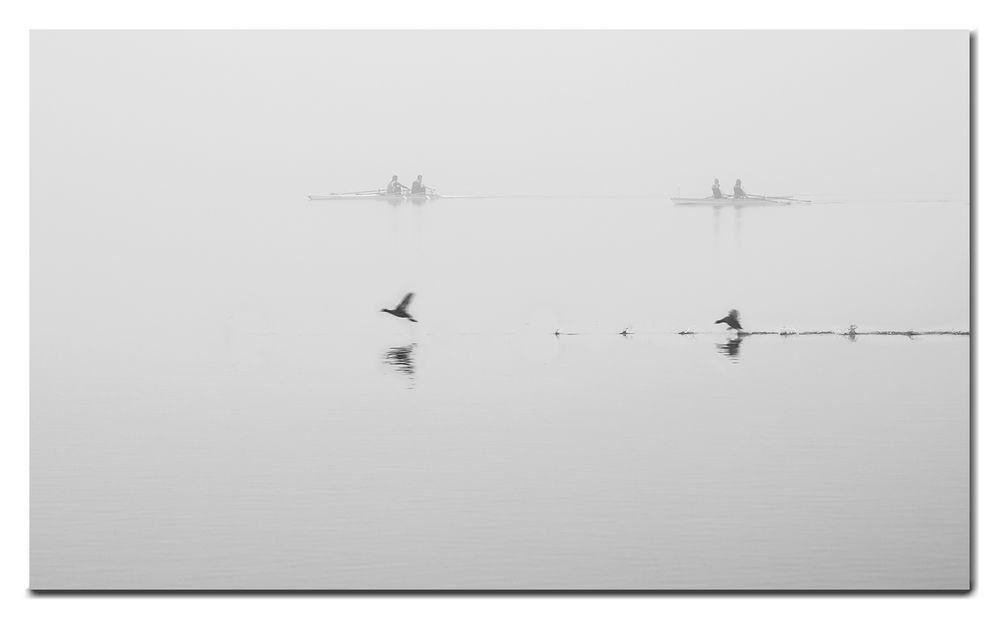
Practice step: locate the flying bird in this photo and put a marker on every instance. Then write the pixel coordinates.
(732, 320)
(625, 332)
(400, 310)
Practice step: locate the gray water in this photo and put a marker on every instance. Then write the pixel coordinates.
(218, 403)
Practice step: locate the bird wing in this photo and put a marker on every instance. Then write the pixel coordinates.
(405, 302)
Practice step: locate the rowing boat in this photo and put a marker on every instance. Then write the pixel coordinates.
(396, 197)
(782, 201)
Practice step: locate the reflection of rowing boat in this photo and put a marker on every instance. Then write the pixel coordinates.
(379, 195)
(764, 201)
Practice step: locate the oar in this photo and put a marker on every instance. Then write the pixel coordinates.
(764, 198)
(753, 195)
(358, 193)
(789, 198)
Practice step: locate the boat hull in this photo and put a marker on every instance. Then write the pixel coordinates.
(375, 196)
(730, 202)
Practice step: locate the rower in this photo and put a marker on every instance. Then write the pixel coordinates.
(418, 186)
(737, 191)
(395, 187)
(716, 190)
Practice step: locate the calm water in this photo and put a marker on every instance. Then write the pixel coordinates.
(217, 402)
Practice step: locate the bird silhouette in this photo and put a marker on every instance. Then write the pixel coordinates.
(732, 320)
(625, 332)
(400, 310)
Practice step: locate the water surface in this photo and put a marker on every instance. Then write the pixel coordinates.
(218, 403)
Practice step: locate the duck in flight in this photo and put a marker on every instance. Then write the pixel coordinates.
(400, 310)
(732, 320)
(625, 332)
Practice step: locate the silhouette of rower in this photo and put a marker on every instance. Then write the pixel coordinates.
(394, 187)
(400, 310)
(418, 187)
(737, 191)
(716, 191)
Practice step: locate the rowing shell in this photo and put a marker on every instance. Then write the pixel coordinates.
(730, 201)
(377, 196)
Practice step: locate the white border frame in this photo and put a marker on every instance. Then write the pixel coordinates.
(22, 15)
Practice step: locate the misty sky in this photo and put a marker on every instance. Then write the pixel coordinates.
(610, 113)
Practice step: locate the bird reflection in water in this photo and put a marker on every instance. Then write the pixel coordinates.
(731, 348)
(400, 359)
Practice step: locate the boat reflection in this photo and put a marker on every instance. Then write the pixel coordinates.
(738, 224)
(400, 359)
(731, 348)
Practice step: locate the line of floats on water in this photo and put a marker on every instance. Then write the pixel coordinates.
(851, 333)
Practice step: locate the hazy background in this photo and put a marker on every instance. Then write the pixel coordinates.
(186, 114)
(217, 402)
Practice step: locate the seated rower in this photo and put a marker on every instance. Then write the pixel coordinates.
(395, 187)
(418, 186)
(737, 191)
(716, 191)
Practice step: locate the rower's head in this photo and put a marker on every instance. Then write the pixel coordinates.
(738, 181)
(395, 177)
(419, 177)
(716, 182)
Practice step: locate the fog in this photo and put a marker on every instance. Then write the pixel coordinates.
(854, 113)
(218, 403)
